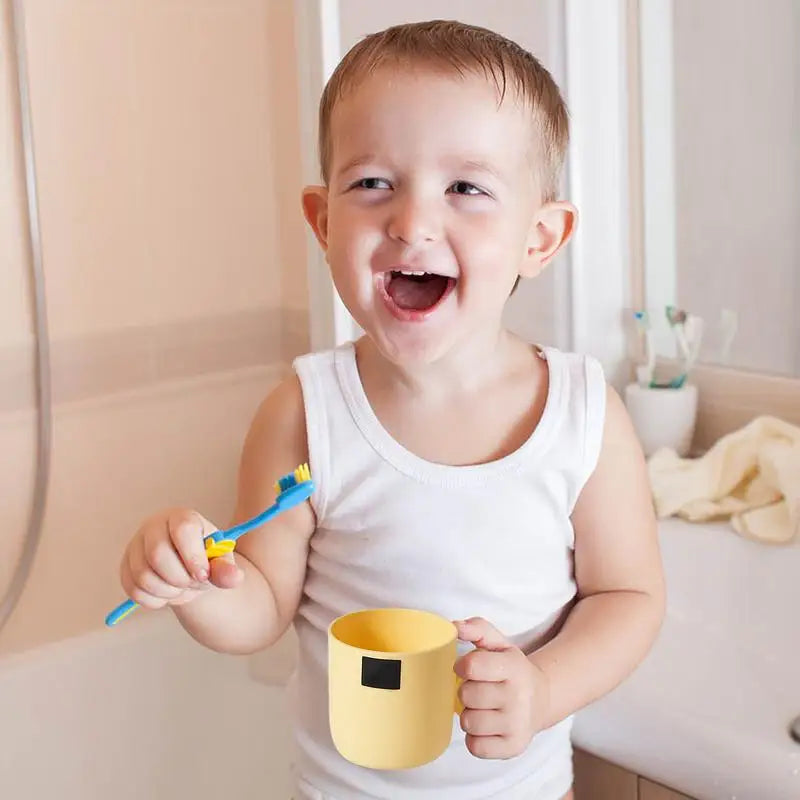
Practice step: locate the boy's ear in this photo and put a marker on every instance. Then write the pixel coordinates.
(551, 228)
(315, 209)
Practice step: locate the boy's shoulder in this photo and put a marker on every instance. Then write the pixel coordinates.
(578, 381)
(279, 421)
(315, 369)
(325, 355)
(313, 358)
(571, 359)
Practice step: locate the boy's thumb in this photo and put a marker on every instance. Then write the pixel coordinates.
(482, 634)
(224, 573)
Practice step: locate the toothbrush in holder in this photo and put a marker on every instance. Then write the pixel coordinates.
(688, 330)
(291, 490)
(644, 372)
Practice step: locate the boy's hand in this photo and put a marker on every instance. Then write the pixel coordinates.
(165, 562)
(504, 694)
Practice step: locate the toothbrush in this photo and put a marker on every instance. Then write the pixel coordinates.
(644, 372)
(677, 320)
(694, 349)
(688, 330)
(291, 490)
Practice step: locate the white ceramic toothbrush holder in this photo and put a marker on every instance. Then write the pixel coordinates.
(663, 417)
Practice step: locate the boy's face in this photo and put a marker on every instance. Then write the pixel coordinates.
(430, 175)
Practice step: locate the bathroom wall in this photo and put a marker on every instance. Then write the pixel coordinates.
(167, 146)
(737, 171)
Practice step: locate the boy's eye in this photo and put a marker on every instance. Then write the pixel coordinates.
(372, 183)
(463, 187)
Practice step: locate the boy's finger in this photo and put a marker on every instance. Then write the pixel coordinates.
(224, 573)
(140, 574)
(163, 559)
(481, 695)
(187, 530)
(487, 746)
(146, 600)
(135, 593)
(482, 665)
(481, 633)
(149, 582)
(484, 723)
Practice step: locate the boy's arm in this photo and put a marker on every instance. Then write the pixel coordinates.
(255, 613)
(621, 595)
(508, 696)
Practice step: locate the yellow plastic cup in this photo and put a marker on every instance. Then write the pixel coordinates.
(392, 689)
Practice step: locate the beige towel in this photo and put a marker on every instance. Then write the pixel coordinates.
(751, 476)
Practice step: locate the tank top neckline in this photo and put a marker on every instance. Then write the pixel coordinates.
(429, 472)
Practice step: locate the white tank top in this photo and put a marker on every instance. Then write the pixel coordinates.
(493, 540)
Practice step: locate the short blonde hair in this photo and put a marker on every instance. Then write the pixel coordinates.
(460, 48)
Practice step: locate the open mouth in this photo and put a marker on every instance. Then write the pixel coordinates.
(415, 293)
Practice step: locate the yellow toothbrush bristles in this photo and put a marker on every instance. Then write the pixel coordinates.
(300, 475)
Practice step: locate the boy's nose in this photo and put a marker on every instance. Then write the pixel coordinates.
(413, 221)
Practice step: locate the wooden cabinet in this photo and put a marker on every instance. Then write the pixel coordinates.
(596, 779)
(654, 791)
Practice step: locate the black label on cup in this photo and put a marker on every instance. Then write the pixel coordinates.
(380, 673)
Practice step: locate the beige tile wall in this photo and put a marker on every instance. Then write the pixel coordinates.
(167, 146)
(156, 133)
(116, 460)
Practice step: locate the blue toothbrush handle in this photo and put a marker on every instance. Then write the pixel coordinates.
(121, 611)
(288, 498)
(230, 536)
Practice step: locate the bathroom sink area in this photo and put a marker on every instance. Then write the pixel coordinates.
(709, 710)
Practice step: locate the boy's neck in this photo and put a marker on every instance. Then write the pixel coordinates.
(474, 364)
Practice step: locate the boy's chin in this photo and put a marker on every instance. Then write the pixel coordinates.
(412, 352)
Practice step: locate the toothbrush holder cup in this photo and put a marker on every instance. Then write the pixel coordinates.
(663, 417)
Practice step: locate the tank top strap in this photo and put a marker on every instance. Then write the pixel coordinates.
(581, 436)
